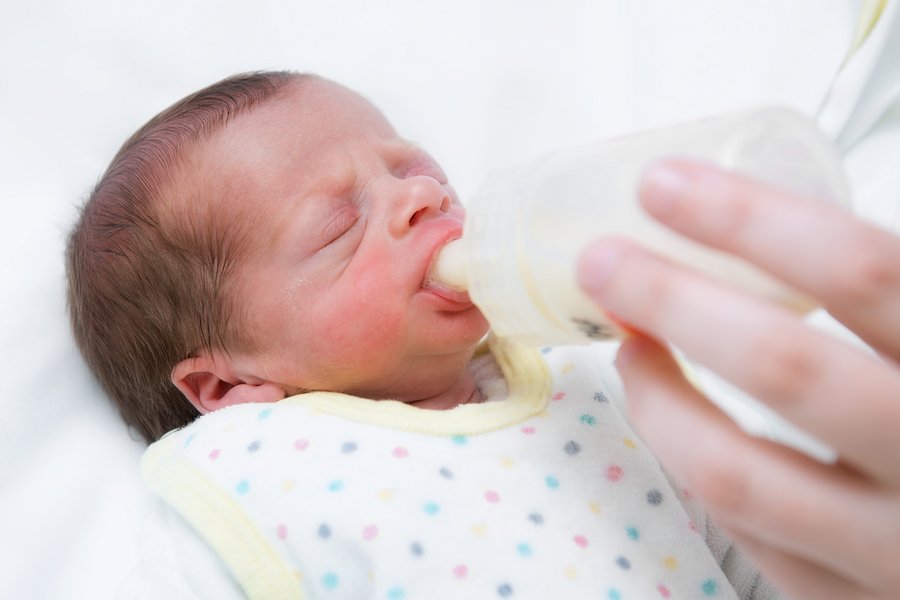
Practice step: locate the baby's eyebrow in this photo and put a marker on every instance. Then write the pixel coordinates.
(408, 150)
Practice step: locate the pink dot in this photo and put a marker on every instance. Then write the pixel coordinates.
(281, 531)
(693, 526)
(301, 444)
(581, 541)
(492, 496)
(370, 532)
(664, 591)
(460, 571)
(528, 430)
(214, 454)
(401, 452)
(614, 473)
(559, 396)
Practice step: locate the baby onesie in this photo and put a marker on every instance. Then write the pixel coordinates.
(543, 492)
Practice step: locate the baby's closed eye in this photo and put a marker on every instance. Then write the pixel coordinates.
(340, 222)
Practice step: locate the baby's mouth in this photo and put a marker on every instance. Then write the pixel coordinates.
(432, 284)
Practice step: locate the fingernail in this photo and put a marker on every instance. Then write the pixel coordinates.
(662, 187)
(597, 265)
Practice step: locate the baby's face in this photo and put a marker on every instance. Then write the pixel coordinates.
(346, 220)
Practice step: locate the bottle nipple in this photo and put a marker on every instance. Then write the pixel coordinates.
(450, 266)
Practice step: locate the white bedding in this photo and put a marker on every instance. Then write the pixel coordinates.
(481, 84)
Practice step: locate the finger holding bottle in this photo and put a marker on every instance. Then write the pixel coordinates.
(818, 530)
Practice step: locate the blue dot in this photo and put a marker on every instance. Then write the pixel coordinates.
(623, 562)
(265, 414)
(633, 533)
(588, 419)
(546, 349)
(431, 508)
(524, 549)
(242, 487)
(254, 446)
(446, 473)
(710, 587)
(654, 497)
(552, 482)
(324, 531)
(416, 549)
(536, 518)
(460, 440)
(396, 593)
(336, 485)
(330, 580)
(348, 447)
(572, 448)
(614, 594)
(189, 439)
(505, 590)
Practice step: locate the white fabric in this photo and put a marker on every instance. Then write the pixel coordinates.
(481, 85)
(563, 502)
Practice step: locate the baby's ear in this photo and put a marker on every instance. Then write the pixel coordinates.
(211, 384)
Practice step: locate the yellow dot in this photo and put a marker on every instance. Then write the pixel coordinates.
(507, 463)
(571, 573)
(670, 562)
(568, 368)
(629, 442)
(297, 575)
(385, 495)
(288, 484)
(595, 508)
(479, 529)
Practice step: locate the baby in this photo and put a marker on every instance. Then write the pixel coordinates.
(260, 254)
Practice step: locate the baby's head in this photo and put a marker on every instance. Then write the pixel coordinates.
(267, 235)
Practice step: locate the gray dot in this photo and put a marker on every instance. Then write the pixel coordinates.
(536, 518)
(416, 549)
(505, 590)
(446, 473)
(254, 446)
(623, 562)
(600, 397)
(654, 497)
(348, 447)
(324, 531)
(572, 448)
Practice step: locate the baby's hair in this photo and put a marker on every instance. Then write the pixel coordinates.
(146, 288)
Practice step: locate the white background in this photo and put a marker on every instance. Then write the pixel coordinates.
(480, 84)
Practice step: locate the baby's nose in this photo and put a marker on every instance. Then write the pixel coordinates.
(418, 198)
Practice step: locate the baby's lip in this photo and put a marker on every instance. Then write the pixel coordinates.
(451, 295)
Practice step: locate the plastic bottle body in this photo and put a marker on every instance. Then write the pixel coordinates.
(527, 226)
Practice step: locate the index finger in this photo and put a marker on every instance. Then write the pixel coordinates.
(838, 393)
(850, 266)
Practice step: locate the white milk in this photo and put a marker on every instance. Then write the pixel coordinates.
(527, 226)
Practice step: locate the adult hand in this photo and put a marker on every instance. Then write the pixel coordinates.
(816, 530)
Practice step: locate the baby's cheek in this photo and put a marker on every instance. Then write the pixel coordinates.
(366, 317)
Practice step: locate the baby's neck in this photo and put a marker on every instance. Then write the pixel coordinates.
(465, 391)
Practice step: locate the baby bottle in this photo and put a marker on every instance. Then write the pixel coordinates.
(528, 225)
